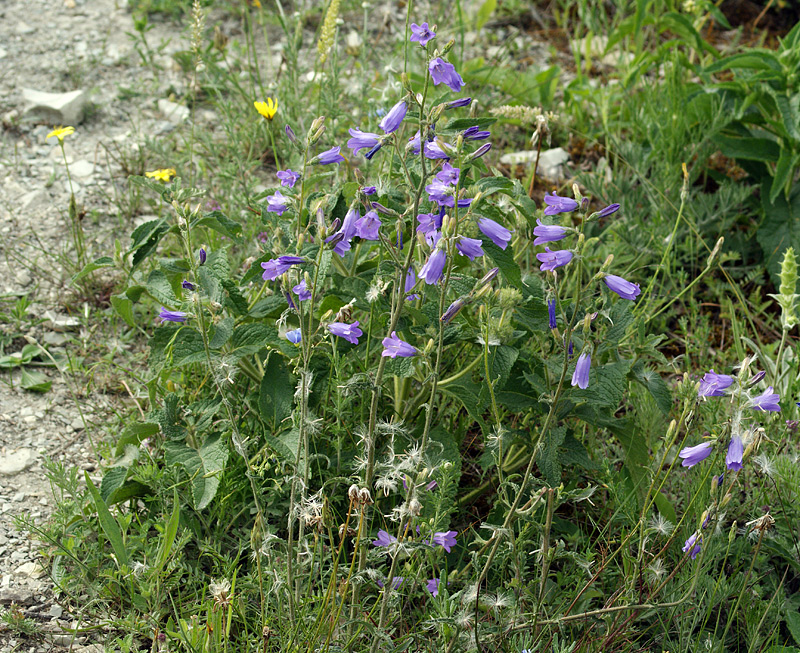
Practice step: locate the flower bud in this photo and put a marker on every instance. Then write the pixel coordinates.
(290, 134)
(786, 296)
(452, 310)
(477, 154)
(203, 256)
(488, 277)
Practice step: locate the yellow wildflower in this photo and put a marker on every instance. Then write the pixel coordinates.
(162, 174)
(61, 132)
(267, 109)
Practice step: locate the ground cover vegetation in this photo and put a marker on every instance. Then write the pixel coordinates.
(401, 392)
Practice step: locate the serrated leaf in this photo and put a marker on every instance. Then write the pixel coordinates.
(491, 185)
(146, 238)
(752, 60)
(793, 625)
(134, 434)
(203, 466)
(220, 223)
(276, 394)
(548, 455)
(607, 384)
(112, 481)
(223, 330)
(102, 262)
(188, 347)
(748, 148)
(655, 385)
(160, 289)
(504, 259)
(124, 308)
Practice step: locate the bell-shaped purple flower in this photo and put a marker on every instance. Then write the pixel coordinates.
(551, 313)
(277, 203)
(434, 151)
(187, 285)
(288, 177)
(495, 232)
(294, 336)
(692, 545)
(551, 260)
(394, 347)
(469, 247)
(448, 174)
(392, 120)
(547, 233)
(302, 292)
(330, 156)
(433, 586)
(368, 226)
(431, 272)
(733, 459)
(167, 315)
(277, 266)
(556, 204)
(369, 190)
(362, 140)
(440, 192)
(349, 332)
(580, 377)
(445, 539)
(768, 401)
(714, 385)
(384, 539)
(623, 288)
(443, 72)
(421, 34)
(428, 222)
(696, 454)
(290, 134)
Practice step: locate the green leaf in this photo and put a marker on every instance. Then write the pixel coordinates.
(752, 60)
(548, 455)
(784, 170)
(169, 420)
(34, 381)
(484, 13)
(793, 624)
(222, 333)
(469, 394)
(501, 360)
(203, 466)
(490, 185)
(188, 347)
(748, 148)
(655, 385)
(221, 223)
(504, 259)
(171, 530)
(607, 385)
(665, 508)
(460, 124)
(112, 481)
(780, 228)
(102, 262)
(108, 524)
(124, 308)
(134, 434)
(276, 395)
(159, 288)
(146, 238)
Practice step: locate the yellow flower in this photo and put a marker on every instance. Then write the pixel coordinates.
(61, 132)
(267, 109)
(163, 174)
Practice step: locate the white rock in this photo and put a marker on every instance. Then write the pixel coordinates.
(24, 28)
(19, 497)
(61, 322)
(31, 569)
(23, 278)
(55, 108)
(551, 163)
(3, 53)
(35, 199)
(56, 611)
(82, 168)
(175, 113)
(15, 461)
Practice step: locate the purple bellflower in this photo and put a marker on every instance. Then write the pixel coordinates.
(332, 155)
(455, 104)
(411, 281)
(609, 210)
(483, 149)
(301, 291)
(369, 190)
(392, 120)
(446, 539)
(349, 332)
(551, 260)
(692, 545)
(394, 347)
(384, 539)
(448, 174)
(475, 133)
(469, 247)
(623, 288)
(580, 377)
(441, 193)
(547, 233)
(397, 581)
(187, 285)
(368, 226)
(556, 204)
(434, 151)
(714, 385)
(551, 313)
(362, 140)
(294, 336)
(433, 586)
(277, 266)
(429, 222)
(167, 315)
(768, 401)
(277, 203)
(733, 459)
(431, 272)
(421, 34)
(452, 311)
(443, 72)
(202, 255)
(288, 177)
(290, 134)
(496, 232)
(696, 454)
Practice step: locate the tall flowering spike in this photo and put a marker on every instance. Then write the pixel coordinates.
(431, 272)
(349, 332)
(393, 119)
(469, 247)
(495, 232)
(551, 313)
(277, 203)
(547, 233)
(329, 156)
(768, 401)
(443, 72)
(556, 204)
(696, 454)
(288, 177)
(733, 459)
(692, 545)
(394, 347)
(580, 377)
(421, 34)
(551, 260)
(361, 140)
(167, 315)
(787, 296)
(623, 288)
(714, 385)
(368, 227)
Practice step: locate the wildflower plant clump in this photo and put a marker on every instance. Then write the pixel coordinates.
(391, 420)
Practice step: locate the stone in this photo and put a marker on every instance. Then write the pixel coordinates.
(550, 161)
(23, 28)
(82, 168)
(77, 424)
(62, 322)
(35, 199)
(55, 339)
(14, 462)
(175, 113)
(3, 53)
(56, 611)
(23, 278)
(31, 569)
(16, 595)
(55, 108)
(19, 497)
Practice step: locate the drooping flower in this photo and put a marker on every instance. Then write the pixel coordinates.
(302, 292)
(277, 203)
(329, 156)
(294, 336)
(434, 151)
(349, 332)
(162, 174)
(384, 539)
(462, 102)
(496, 232)
(475, 133)
(551, 312)
(187, 285)
(369, 190)
(202, 256)
(448, 174)
(580, 376)
(428, 222)
(394, 117)
(469, 247)
(622, 287)
(368, 226)
(62, 132)
(441, 193)
(556, 204)
(696, 454)
(421, 34)
(609, 210)
(713, 384)
(362, 140)
(547, 233)
(767, 401)
(692, 545)
(411, 281)
(443, 72)
(431, 272)
(733, 459)
(433, 586)
(446, 539)
(277, 266)
(288, 177)
(394, 347)
(551, 260)
(267, 109)
(167, 315)
(345, 232)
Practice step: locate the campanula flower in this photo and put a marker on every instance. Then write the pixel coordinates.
(623, 288)
(443, 72)
(469, 247)
(288, 177)
(277, 203)
(345, 232)
(187, 285)
(434, 151)
(696, 454)
(294, 336)
(329, 156)
(692, 545)
(290, 134)
(202, 256)
(411, 281)
(497, 233)
(483, 149)
(277, 266)
(448, 174)
(733, 459)
(431, 272)
(455, 104)
(368, 226)
(349, 332)
(441, 193)
(452, 311)
(394, 347)
(397, 581)
(384, 539)
(580, 377)
(167, 315)
(302, 292)
(556, 204)
(475, 133)
(609, 210)
(551, 260)
(547, 233)
(362, 140)
(428, 222)
(421, 34)
(768, 401)
(714, 385)
(433, 586)
(446, 539)
(369, 190)
(551, 313)
(392, 120)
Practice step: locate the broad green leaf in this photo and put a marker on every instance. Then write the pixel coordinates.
(124, 308)
(751, 149)
(221, 223)
(548, 455)
(168, 537)
(490, 185)
(665, 508)
(655, 385)
(108, 524)
(159, 288)
(188, 347)
(146, 238)
(102, 262)
(222, 332)
(607, 384)
(460, 124)
(504, 259)
(780, 228)
(276, 395)
(485, 13)
(752, 60)
(34, 381)
(784, 171)
(134, 434)
(112, 481)
(203, 466)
